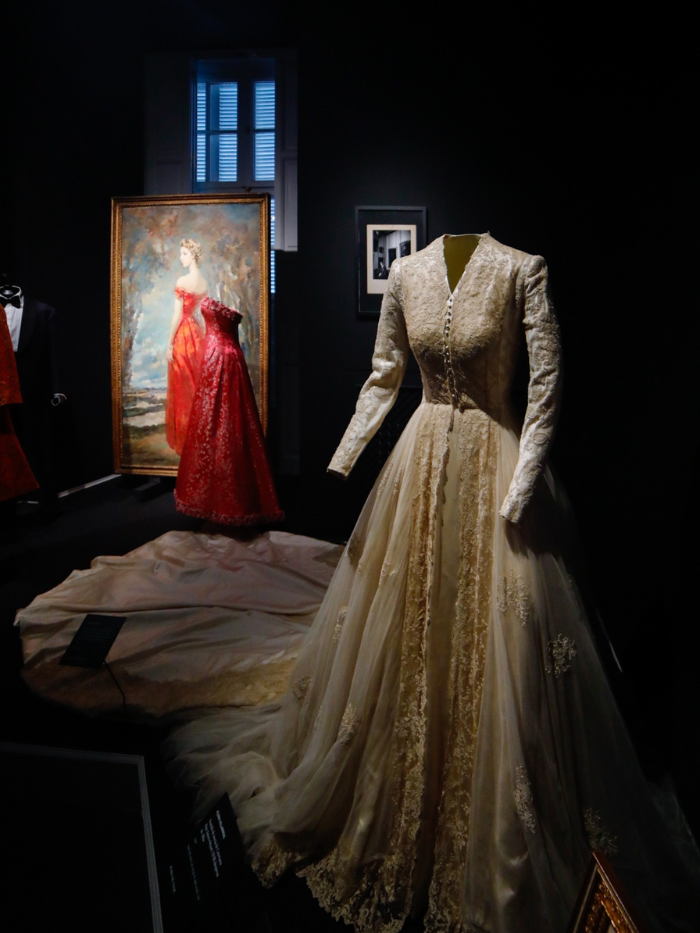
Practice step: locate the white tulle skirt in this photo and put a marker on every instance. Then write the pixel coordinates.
(448, 745)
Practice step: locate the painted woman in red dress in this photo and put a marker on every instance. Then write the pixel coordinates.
(224, 473)
(185, 346)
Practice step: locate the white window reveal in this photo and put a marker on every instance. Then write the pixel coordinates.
(225, 124)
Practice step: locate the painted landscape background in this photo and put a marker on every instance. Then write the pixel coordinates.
(230, 238)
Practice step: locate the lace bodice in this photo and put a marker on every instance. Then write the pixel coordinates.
(221, 320)
(465, 341)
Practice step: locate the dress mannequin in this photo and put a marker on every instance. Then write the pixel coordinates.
(33, 326)
(15, 474)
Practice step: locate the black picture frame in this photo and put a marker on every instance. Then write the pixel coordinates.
(383, 234)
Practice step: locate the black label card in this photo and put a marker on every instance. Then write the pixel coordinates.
(91, 643)
(211, 853)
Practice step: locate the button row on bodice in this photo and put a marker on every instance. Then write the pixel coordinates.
(447, 353)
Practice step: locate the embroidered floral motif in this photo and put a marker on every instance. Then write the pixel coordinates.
(512, 593)
(300, 687)
(355, 548)
(349, 725)
(382, 483)
(339, 624)
(561, 653)
(386, 571)
(523, 800)
(598, 836)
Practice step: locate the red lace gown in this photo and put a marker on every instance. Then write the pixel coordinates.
(183, 371)
(16, 476)
(224, 473)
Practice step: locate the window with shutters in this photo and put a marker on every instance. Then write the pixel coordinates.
(225, 124)
(235, 128)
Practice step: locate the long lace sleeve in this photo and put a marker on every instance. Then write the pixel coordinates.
(544, 350)
(379, 392)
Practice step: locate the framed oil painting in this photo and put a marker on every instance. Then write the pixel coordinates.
(384, 234)
(167, 254)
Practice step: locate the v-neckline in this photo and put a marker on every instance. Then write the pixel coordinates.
(453, 291)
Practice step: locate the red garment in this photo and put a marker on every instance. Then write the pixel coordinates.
(16, 476)
(183, 371)
(224, 472)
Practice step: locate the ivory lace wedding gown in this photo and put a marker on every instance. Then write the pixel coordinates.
(448, 744)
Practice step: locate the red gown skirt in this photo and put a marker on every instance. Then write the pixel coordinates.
(183, 371)
(224, 473)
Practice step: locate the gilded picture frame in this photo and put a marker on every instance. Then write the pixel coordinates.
(231, 234)
(603, 907)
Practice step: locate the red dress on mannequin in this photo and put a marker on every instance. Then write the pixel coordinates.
(224, 473)
(183, 371)
(16, 476)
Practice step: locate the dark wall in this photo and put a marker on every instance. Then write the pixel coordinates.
(572, 143)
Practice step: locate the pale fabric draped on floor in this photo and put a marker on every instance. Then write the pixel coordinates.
(205, 615)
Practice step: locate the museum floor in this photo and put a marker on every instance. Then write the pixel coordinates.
(37, 553)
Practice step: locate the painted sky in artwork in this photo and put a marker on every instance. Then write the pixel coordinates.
(230, 238)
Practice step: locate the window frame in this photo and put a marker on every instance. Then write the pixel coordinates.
(245, 70)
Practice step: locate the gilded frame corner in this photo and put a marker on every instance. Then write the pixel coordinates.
(603, 907)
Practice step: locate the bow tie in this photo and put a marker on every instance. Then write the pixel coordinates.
(15, 300)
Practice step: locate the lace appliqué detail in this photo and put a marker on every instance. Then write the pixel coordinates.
(300, 687)
(271, 862)
(523, 800)
(598, 836)
(349, 725)
(477, 458)
(345, 450)
(395, 484)
(512, 594)
(278, 853)
(337, 631)
(561, 653)
(354, 549)
(386, 572)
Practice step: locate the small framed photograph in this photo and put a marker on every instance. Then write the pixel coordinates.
(384, 234)
(168, 254)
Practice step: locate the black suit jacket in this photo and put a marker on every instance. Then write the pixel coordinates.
(37, 354)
